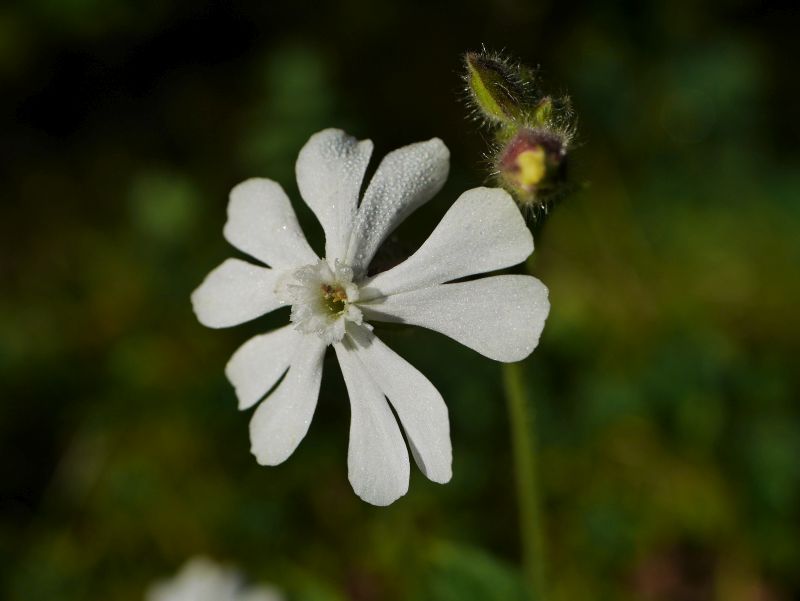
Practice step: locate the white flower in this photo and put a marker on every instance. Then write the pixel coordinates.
(202, 580)
(333, 300)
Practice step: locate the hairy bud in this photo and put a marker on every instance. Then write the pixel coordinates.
(532, 131)
(531, 166)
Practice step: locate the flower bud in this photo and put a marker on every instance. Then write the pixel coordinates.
(495, 87)
(531, 165)
(532, 131)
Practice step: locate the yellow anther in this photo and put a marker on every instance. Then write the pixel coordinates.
(335, 297)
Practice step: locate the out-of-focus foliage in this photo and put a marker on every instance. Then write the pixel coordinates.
(666, 379)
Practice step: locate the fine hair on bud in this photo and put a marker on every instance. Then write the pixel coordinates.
(532, 131)
(497, 90)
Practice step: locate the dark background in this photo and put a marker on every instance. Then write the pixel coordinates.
(666, 380)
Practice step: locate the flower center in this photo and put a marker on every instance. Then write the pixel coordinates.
(322, 299)
(335, 298)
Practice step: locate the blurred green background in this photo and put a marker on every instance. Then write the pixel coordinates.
(666, 380)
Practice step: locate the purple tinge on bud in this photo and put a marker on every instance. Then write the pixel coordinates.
(532, 163)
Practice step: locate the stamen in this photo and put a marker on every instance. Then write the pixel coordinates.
(335, 298)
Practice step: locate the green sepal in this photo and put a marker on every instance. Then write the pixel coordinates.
(543, 112)
(495, 88)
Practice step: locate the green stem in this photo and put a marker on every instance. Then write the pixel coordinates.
(521, 416)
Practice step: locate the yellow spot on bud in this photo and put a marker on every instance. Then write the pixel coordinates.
(532, 167)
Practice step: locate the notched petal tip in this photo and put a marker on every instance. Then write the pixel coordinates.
(282, 420)
(405, 179)
(420, 408)
(260, 363)
(330, 170)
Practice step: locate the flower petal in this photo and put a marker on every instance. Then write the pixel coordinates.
(235, 292)
(262, 223)
(282, 419)
(418, 404)
(481, 232)
(405, 180)
(501, 317)
(377, 459)
(329, 172)
(260, 362)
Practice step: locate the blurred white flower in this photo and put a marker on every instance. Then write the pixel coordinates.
(333, 299)
(203, 580)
